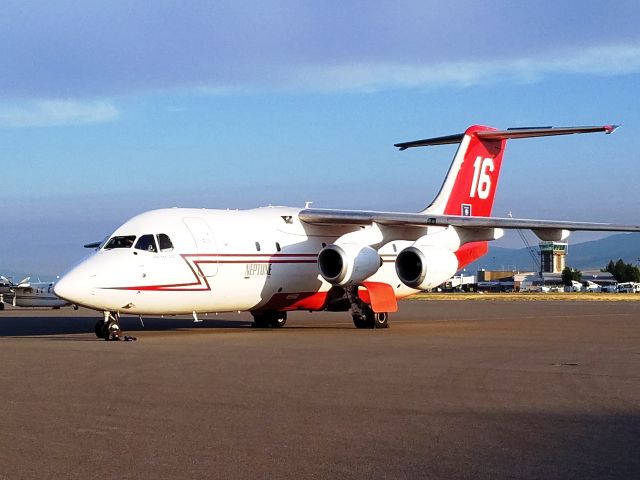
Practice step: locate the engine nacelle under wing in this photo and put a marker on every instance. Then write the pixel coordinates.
(425, 266)
(348, 264)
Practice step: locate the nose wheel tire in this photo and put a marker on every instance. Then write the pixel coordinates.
(109, 328)
(113, 331)
(99, 329)
(107, 331)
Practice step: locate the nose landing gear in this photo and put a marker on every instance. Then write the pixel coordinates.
(109, 327)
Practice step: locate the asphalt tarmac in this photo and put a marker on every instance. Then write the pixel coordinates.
(463, 389)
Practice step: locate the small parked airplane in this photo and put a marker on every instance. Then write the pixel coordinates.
(276, 259)
(29, 294)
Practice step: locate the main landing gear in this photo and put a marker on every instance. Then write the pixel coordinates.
(363, 315)
(109, 327)
(269, 319)
(370, 319)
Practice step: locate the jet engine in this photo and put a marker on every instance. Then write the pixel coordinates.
(425, 266)
(348, 264)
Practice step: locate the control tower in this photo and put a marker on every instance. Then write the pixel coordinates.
(553, 256)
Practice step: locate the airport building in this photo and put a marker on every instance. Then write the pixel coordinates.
(553, 256)
(508, 281)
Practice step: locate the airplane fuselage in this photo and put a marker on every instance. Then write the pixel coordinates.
(219, 261)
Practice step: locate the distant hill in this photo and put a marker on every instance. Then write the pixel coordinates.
(584, 256)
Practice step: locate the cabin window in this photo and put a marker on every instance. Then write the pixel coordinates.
(146, 243)
(125, 241)
(258, 246)
(164, 242)
(278, 246)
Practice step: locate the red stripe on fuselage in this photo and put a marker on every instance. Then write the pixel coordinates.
(202, 284)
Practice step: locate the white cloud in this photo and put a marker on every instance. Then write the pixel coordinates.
(611, 60)
(351, 76)
(48, 113)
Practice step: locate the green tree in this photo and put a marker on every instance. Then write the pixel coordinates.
(569, 274)
(623, 272)
(631, 273)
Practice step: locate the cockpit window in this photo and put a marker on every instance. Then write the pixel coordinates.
(164, 242)
(125, 241)
(103, 243)
(146, 243)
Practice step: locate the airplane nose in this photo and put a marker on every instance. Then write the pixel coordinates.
(64, 288)
(72, 287)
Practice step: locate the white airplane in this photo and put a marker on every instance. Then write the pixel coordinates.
(271, 260)
(29, 294)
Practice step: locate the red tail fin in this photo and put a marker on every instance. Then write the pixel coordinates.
(471, 183)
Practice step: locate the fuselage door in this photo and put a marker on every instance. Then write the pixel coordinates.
(206, 246)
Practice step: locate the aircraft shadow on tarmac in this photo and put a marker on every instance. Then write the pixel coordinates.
(547, 445)
(64, 326)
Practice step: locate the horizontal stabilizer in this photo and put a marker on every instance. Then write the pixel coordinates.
(514, 133)
(542, 132)
(427, 142)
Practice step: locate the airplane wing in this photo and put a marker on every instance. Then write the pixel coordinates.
(319, 216)
(24, 283)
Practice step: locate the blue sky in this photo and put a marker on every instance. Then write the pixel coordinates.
(111, 108)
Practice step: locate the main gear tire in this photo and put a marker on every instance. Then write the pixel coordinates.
(100, 330)
(269, 319)
(279, 321)
(381, 320)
